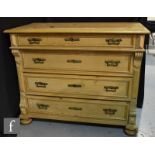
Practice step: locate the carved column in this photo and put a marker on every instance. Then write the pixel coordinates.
(131, 127)
(23, 100)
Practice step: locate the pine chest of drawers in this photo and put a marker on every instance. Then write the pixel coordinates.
(79, 72)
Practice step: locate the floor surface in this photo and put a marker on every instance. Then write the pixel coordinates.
(147, 121)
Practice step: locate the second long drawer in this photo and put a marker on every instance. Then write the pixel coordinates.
(96, 63)
(78, 86)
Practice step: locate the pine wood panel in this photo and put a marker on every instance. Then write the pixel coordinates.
(78, 48)
(78, 86)
(79, 108)
(78, 61)
(106, 27)
(73, 40)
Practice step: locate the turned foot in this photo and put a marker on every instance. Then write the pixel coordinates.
(24, 118)
(26, 121)
(131, 131)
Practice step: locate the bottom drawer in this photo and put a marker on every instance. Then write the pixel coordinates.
(80, 108)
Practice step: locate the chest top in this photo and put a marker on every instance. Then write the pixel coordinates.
(117, 28)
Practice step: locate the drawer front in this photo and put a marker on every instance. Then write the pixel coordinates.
(88, 109)
(81, 40)
(119, 63)
(78, 86)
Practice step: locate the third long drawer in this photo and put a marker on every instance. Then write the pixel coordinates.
(78, 86)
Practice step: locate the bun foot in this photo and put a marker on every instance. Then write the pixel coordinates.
(131, 132)
(26, 121)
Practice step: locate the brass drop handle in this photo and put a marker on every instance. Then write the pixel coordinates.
(112, 63)
(41, 84)
(34, 40)
(42, 106)
(113, 41)
(111, 88)
(75, 85)
(110, 111)
(75, 108)
(73, 61)
(71, 39)
(38, 60)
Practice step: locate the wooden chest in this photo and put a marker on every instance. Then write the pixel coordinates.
(79, 72)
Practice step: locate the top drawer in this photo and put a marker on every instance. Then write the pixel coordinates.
(77, 40)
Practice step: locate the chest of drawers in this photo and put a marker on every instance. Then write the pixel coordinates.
(79, 72)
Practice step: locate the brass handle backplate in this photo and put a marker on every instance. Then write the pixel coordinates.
(112, 63)
(42, 106)
(75, 85)
(110, 111)
(38, 60)
(71, 39)
(113, 41)
(34, 40)
(73, 61)
(41, 84)
(75, 108)
(111, 88)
